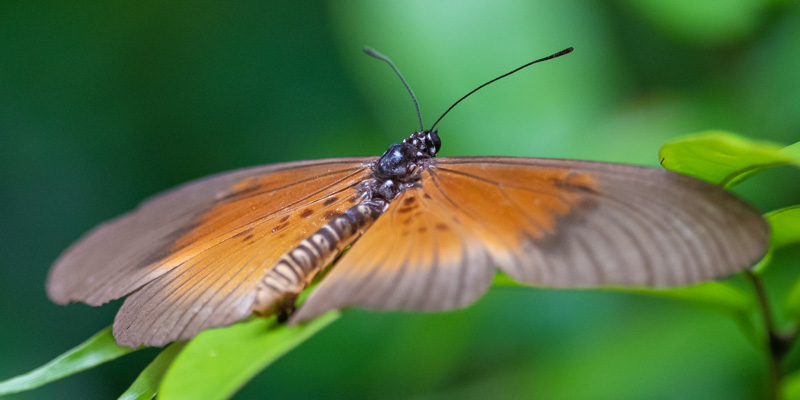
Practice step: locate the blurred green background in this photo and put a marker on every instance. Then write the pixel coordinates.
(102, 105)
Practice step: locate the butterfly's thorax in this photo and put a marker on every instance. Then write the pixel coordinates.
(398, 169)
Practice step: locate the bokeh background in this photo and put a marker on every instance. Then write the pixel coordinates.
(104, 104)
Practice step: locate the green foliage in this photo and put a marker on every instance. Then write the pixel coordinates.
(706, 22)
(727, 160)
(213, 365)
(790, 390)
(723, 158)
(97, 350)
(218, 362)
(785, 224)
(724, 297)
(146, 385)
(106, 103)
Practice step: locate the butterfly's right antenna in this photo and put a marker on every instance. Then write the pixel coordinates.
(380, 56)
(550, 57)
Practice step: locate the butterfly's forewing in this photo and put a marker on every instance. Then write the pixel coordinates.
(194, 254)
(624, 224)
(560, 223)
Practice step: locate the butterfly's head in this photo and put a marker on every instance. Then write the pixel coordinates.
(426, 143)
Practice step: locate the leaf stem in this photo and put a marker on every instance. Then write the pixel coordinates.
(777, 344)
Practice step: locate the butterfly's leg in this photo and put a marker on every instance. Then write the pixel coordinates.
(286, 308)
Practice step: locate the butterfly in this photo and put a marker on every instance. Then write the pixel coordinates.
(424, 233)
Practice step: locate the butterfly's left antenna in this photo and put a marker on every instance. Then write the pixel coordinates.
(380, 56)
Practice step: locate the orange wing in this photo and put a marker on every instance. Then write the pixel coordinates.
(192, 256)
(560, 223)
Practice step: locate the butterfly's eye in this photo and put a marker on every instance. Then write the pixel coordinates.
(433, 143)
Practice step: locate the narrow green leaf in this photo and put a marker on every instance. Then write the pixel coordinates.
(99, 349)
(785, 225)
(146, 384)
(218, 362)
(792, 151)
(723, 158)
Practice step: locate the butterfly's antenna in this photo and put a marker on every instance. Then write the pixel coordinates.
(380, 56)
(550, 57)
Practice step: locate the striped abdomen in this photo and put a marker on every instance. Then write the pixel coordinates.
(277, 290)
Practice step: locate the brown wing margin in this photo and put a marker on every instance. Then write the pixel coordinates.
(550, 222)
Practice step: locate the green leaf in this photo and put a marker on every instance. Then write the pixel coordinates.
(792, 301)
(785, 225)
(146, 384)
(792, 151)
(723, 158)
(765, 261)
(722, 297)
(216, 363)
(790, 387)
(501, 279)
(784, 231)
(99, 349)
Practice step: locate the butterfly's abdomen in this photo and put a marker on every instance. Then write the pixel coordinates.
(295, 269)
